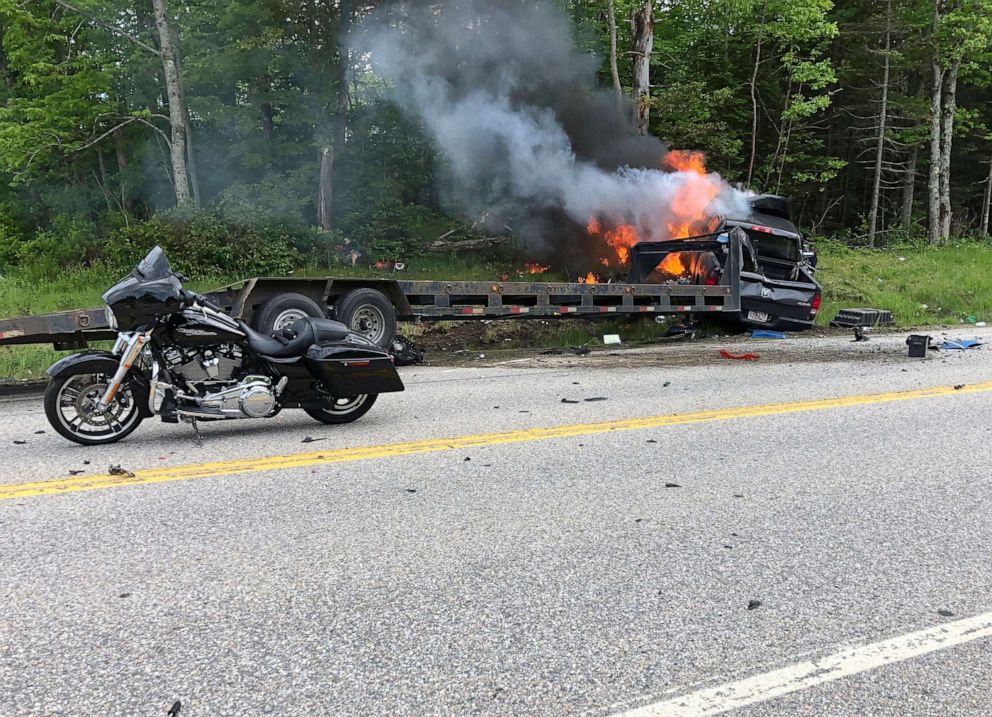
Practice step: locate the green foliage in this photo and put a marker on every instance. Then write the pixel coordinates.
(205, 244)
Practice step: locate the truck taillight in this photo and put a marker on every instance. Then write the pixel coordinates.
(712, 280)
(815, 306)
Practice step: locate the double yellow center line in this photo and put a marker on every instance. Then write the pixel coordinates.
(392, 450)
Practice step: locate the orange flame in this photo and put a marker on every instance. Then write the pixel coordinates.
(692, 199)
(672, 264)
(589, 278)
(535, 268)
(687, 212)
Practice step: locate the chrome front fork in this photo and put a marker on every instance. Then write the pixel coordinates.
(129, 348)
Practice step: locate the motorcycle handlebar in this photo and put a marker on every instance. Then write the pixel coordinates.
(190, 299)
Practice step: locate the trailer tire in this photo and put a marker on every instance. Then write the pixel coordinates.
(283, 309)
(369, 313)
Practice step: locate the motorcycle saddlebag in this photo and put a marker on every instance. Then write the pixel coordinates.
(347, 371)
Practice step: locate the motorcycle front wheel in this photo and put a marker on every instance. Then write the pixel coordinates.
(343, 410)
(71, 404)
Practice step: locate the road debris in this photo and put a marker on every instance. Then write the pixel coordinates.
(861, 333)
(849, 318)
(174, 710)
(612, 339)
(595, 399)
(405, 352)
(38, 433)
(311, 439)
(20, 443)
(959, 345)
(569, 400)
(651, 440)
(765, 334)
(753, 604)
(918, 345)
(672, 485)
(945, 613)
(960, 386)
(75, 473)
(116, 470)
(411, 490)
(739, 357)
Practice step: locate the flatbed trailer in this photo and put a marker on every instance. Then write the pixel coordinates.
(373, 306)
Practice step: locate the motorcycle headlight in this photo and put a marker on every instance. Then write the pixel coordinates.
(111, 319)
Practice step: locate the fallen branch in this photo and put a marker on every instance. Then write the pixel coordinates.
(468, 245)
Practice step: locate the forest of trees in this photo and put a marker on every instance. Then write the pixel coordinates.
(120, 120)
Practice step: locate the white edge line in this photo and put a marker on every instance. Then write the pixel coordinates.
(803, 675)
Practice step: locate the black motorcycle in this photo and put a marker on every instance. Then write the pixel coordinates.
(181, 357)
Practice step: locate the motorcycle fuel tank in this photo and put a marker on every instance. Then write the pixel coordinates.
(193, 329)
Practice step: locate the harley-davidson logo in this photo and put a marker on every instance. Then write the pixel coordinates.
(196, 332)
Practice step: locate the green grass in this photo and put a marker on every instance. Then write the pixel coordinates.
(920, 285)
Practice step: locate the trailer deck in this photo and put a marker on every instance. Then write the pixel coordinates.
(436, 300)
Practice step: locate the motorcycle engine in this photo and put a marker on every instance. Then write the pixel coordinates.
(207, 367)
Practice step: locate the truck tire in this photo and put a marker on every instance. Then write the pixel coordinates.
(282, 310)
(369, 313)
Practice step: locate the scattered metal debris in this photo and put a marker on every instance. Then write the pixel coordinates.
(595, 399)
(569, 400)
(672, 485)
(753, 604)
(311, 439)
(116, 470)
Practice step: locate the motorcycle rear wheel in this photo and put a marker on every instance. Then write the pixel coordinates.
(343, 410)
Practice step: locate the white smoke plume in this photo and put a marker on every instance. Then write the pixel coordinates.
(514, 109)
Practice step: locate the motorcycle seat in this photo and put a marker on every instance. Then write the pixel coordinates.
(295, 339)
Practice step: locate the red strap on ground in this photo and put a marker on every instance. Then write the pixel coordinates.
(739, 357)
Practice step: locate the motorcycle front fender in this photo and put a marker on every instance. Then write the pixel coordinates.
(102, 362)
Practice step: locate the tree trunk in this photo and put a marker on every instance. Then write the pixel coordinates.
(987, 206)
(933, 184)
(642, 24)
(754, 106)
(120, 151)
(909, 187)
(177, 105)
(611, 18)
(947, 140)
(880, 143)
(324, 187)
(339, 127)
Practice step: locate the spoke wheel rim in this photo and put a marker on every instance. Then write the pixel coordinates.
(370, 322)
(76, 405)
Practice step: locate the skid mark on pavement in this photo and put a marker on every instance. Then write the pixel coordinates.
(810, 673)
(59, 486)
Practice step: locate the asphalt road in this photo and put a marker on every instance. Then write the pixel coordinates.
(521, 572)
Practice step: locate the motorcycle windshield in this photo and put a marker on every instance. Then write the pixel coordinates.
(154, 266)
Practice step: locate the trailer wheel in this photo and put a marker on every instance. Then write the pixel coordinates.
(369, 313)
(281, 310)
